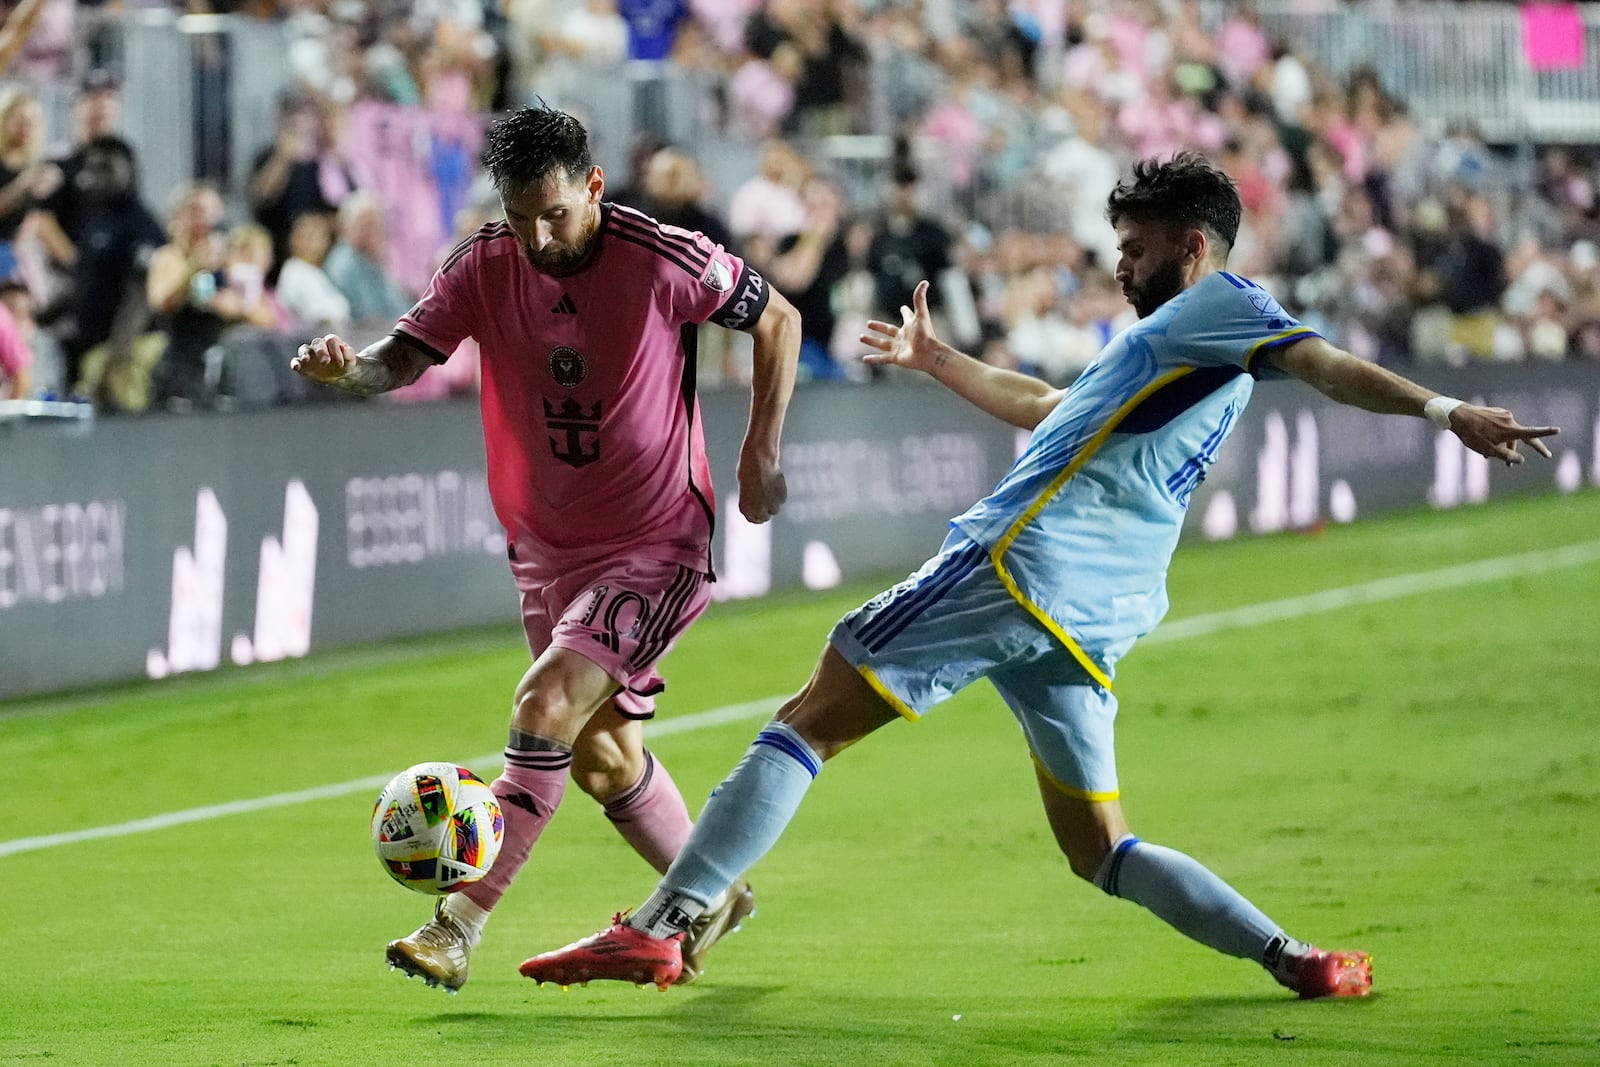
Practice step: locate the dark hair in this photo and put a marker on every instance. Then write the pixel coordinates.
(1186, 191)
(530, 145)
(110, 144)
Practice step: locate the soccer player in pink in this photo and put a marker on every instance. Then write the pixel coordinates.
(586, 314)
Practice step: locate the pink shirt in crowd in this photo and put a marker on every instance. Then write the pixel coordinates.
(589, 412)
(15, 357)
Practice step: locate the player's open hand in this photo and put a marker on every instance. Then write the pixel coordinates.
(762, 488)
(323, 359)
(1495, 432)
(911, 344)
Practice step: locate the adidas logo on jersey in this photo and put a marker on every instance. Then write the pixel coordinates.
(564, 306)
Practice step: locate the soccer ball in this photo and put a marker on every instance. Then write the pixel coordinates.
(437, 828)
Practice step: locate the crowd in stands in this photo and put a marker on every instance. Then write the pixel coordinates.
(1402, 240)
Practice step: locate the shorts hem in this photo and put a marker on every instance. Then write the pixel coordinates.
(622, 681)
(1096, 795)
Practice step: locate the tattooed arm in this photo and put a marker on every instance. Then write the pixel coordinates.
(1019, 399)
(386, 364)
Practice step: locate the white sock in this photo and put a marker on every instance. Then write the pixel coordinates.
(467, 915)
(1191, 899)
(1281, 956)
(666, 913)
(743, 819)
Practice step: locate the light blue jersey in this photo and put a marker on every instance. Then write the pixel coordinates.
(1082, 528)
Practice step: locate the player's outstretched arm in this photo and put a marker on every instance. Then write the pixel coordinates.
(1019, 399)
(1492, 432)
(762, 489)
(386, 364)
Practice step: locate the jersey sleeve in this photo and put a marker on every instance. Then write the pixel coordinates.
(1232, 321)
(439, 321)
(726, 290)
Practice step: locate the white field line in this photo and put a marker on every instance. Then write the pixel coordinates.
(1373, 592)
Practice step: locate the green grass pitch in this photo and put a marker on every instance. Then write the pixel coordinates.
(1419, 777)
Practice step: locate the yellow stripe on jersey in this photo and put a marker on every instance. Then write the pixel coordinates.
(1274, 340)
(997, 554)
(1069, 790)
(889, 698)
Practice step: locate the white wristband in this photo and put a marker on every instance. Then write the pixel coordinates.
(1438, 410)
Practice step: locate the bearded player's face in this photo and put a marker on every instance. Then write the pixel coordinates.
(1151, 267)
(556, 221)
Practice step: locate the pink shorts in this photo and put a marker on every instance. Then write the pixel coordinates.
(621, 614)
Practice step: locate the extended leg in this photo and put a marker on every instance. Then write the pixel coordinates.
(1189, 897)
(743, 820)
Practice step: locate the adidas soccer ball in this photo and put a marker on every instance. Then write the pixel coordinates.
(437, 828)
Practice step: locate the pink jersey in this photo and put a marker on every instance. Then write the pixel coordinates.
(589, 408)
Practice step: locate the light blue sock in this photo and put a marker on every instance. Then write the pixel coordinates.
(743, 819)
(1189, 897)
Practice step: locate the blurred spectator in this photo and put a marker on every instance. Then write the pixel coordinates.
(250, 366)
(1535, 304)
(25, 181)
(828, 90)
(460, 374)
(1082, 172)
(769, 203)
(108, 258)
(248, 266)
(183, 289)
(1569, 188)
(47, 371)
(646, 143)
(300, 172)
(1093, 64)
(591, 32)
(1242, 47)
(196, 295)
(1038, 335)
(652, 32)
(907, 247)
(1469, 276)
(574, 46)
(355, 264)
(16, 357)
(18, 28)
(45, 53)
(97, 112)
(422, 159)
(1288, 84)
(675, 194)
(304, 289)
(806, 267)
(528, 30)
(761, 93)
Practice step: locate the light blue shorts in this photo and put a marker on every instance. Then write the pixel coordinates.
(952, 623)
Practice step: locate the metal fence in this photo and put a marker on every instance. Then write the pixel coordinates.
(201, 92)
(1452, 62)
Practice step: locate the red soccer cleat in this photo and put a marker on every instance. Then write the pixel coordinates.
(618, 954)
(1333, 974)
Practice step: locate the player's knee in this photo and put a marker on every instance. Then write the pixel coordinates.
(1085, 857)
(543, 713)
(602, 768)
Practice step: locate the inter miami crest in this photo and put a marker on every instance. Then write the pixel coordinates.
(568, 367)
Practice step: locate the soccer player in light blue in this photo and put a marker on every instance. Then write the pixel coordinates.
(1043, 585)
